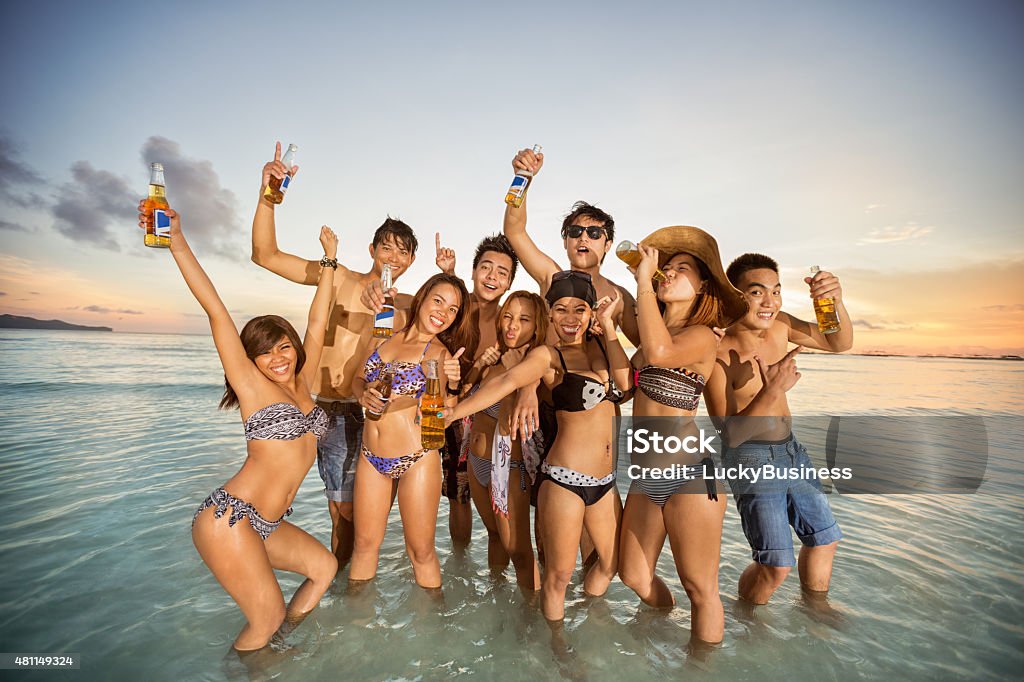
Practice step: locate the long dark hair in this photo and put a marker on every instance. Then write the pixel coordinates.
(258, 336)
(457, 335)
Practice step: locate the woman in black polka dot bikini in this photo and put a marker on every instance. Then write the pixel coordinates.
(586, 377)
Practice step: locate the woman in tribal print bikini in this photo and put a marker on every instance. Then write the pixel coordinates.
(268, 372)
(392, 453)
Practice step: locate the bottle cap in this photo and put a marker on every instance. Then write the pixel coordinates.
(537, 149)
(157, 166)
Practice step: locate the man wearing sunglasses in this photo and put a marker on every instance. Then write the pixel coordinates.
(587, 233)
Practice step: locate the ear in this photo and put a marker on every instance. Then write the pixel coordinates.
(607, 243)
(371, 249)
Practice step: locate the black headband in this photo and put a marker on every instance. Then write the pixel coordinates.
(570, 283)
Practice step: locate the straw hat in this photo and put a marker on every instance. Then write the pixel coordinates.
(692, 240)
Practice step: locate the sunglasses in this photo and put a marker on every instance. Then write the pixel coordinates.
(574, 231)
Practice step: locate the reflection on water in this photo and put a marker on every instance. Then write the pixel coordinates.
(108, 441)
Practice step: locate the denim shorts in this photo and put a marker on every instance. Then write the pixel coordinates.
(769, 507)
(337, 453)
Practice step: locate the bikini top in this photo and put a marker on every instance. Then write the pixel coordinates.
(284, 421)
(491, 411)
(578, 393)
(673, 387)
(408, 379)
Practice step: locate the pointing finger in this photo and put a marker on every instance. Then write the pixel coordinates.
(277, 151)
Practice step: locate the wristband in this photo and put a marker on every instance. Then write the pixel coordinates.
(644, 292)
(326, 262)
(451, 391)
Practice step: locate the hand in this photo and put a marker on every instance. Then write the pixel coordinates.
(488, 357)
(448, 414)
(276, 169)
(526, 160)
(171, 213)
(824, 285)
(329, 241)
(648, 264)
(373, 296)
(605, 310)
(445, 258)
(781, 376)
(513, 357)
(525, 415)
(452, 368)
(372, 400)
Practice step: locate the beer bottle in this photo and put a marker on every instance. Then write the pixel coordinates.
(158, 225)
(825, 310)
(384, 321)
(517, 191)
(384, 387)
(431, 404)
(277, 187)
(629, 253)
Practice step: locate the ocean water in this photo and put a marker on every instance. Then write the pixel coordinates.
(109, 441)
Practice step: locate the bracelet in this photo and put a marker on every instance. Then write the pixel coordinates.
(645, 291)
(451, 391)
(326, 262)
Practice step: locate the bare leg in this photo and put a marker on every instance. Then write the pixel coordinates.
(759, 582)
(237, 558)
(460, 522)
(497, 557)
(370, 519)
(419, 493)
(640, 542)
(695, 533)
(815, 566)
(292, 549)
(515, 533)
(342, 531)
(601, 520)
(561, 524)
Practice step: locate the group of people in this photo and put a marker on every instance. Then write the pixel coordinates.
(532, 386)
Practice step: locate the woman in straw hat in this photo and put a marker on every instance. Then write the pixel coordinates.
(676, 315)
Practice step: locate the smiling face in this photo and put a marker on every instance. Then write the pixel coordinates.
(492, 276)
(391, 252)
(439, 308)
(517, 323)
(584, 251)
(763, 292)
(279, 362)
(683, 281)
(571, 318)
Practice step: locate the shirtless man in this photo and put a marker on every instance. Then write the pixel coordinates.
(349, 333)
(494, 268)
(753, 372)
(587, 233)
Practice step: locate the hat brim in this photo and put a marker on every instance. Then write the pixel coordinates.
(692, 240)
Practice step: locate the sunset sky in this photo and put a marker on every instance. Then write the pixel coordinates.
(879, 140)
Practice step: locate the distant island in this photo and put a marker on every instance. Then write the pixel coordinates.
(19, 322)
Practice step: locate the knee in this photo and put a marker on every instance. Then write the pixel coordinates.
(325, 569)
(558, 579)
(774, 575)
(365, 543)
(634, 578)
(702, 592)
(345, 511)
(421, 553)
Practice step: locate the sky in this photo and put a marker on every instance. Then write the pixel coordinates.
(879, 140)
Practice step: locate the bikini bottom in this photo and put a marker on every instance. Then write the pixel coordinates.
(240, 509)
(393, 467)
(588, 488)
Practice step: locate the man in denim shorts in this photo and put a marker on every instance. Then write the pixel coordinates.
(747, 393)
(349, 336)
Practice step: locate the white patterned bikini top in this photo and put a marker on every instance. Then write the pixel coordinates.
(284, 421)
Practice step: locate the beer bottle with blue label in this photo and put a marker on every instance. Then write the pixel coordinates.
(517, 191)
(278, 186)
(384, 321)
(158, 225)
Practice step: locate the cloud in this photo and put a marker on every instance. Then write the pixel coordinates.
(91, 203)
(882, 325)
(104, 310)
(886, 235)
(209, 212)
(871, 207)
(16, 177)
(1015, 308)
(12, 227)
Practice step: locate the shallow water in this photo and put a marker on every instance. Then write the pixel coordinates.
(109, 441)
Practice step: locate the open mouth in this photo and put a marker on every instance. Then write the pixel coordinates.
(436, 321)
(765, 315)
(490, 287)
(571, 330)
(280, 370)
(582, 249)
